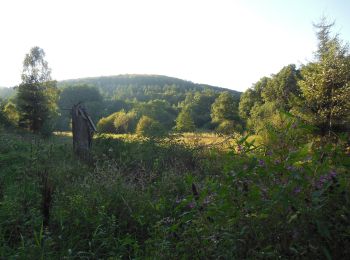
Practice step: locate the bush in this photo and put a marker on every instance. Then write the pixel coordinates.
(149, 127)
(124, 122)
(229, 127)
(106, 124)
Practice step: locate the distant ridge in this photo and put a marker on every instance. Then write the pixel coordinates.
(112, 82)
(133, 83)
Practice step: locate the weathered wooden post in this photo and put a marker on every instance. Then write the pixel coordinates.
(83, 130)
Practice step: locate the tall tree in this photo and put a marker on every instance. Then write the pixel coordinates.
(252, 97)
(224, 113)
(282, 88)
(225, 107)
(37, 94)
(326, 83)
(184, 121)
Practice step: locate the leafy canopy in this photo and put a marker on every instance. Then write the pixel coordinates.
(37, 94)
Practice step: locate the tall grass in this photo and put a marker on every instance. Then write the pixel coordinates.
(157, 199)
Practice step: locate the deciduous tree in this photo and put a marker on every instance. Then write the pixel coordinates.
(37, 94)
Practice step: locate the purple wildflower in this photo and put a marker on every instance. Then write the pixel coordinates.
(261, 162)
(297, 190)
(178, 200)
(191, 205)
(332, 174)
(321, 181)
(277, 161)
(291, 168)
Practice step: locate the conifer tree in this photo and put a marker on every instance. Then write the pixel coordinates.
(325, 83)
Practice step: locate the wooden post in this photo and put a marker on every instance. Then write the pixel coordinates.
(83, 130)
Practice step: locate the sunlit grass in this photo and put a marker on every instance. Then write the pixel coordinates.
(192, 139)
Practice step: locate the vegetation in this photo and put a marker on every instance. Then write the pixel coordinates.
(275, 183)
(184, 121)
(37, 94)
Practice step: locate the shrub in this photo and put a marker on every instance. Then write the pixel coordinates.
(124, 122)
(106, 124)
(149, 127)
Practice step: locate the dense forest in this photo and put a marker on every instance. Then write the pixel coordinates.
(273, 181)
(117, 103)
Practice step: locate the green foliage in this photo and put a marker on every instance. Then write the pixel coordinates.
(125, 122)
(11, 113)
(325, 85)
(154, 199)
(70, 96)
(282, 194)
(106, 124)
(37, 94)
(252, 97)
(224, 108)
(224, 112)
(228, 127)
(199, 105)
(160, 110)
(157, 97)
(269, 96)
(144, 88)
(282, 88)
(149, 127)
(184, 121)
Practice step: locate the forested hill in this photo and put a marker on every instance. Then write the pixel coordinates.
(159, 98)
(143, 87)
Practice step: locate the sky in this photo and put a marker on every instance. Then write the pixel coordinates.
(224, 43)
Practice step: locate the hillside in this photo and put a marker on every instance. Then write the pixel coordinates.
(131, 85)
(159, 97)
(140, 87)
(112, 82)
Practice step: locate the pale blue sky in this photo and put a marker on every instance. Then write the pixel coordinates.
(225, 43)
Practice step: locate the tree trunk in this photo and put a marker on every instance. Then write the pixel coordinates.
(83, 130)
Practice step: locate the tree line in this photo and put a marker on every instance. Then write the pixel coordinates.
(122, 104)
(317, 93)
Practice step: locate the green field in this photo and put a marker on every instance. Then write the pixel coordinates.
(142, 198)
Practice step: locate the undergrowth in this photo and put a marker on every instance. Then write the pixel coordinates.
(147, 199)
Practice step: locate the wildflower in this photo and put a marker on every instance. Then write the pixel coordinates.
(297, 190)
(178, 200)
(277, 161)
(332, 174)
(261, 162)
(321, 181)
(290, 168)
(191, 205)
